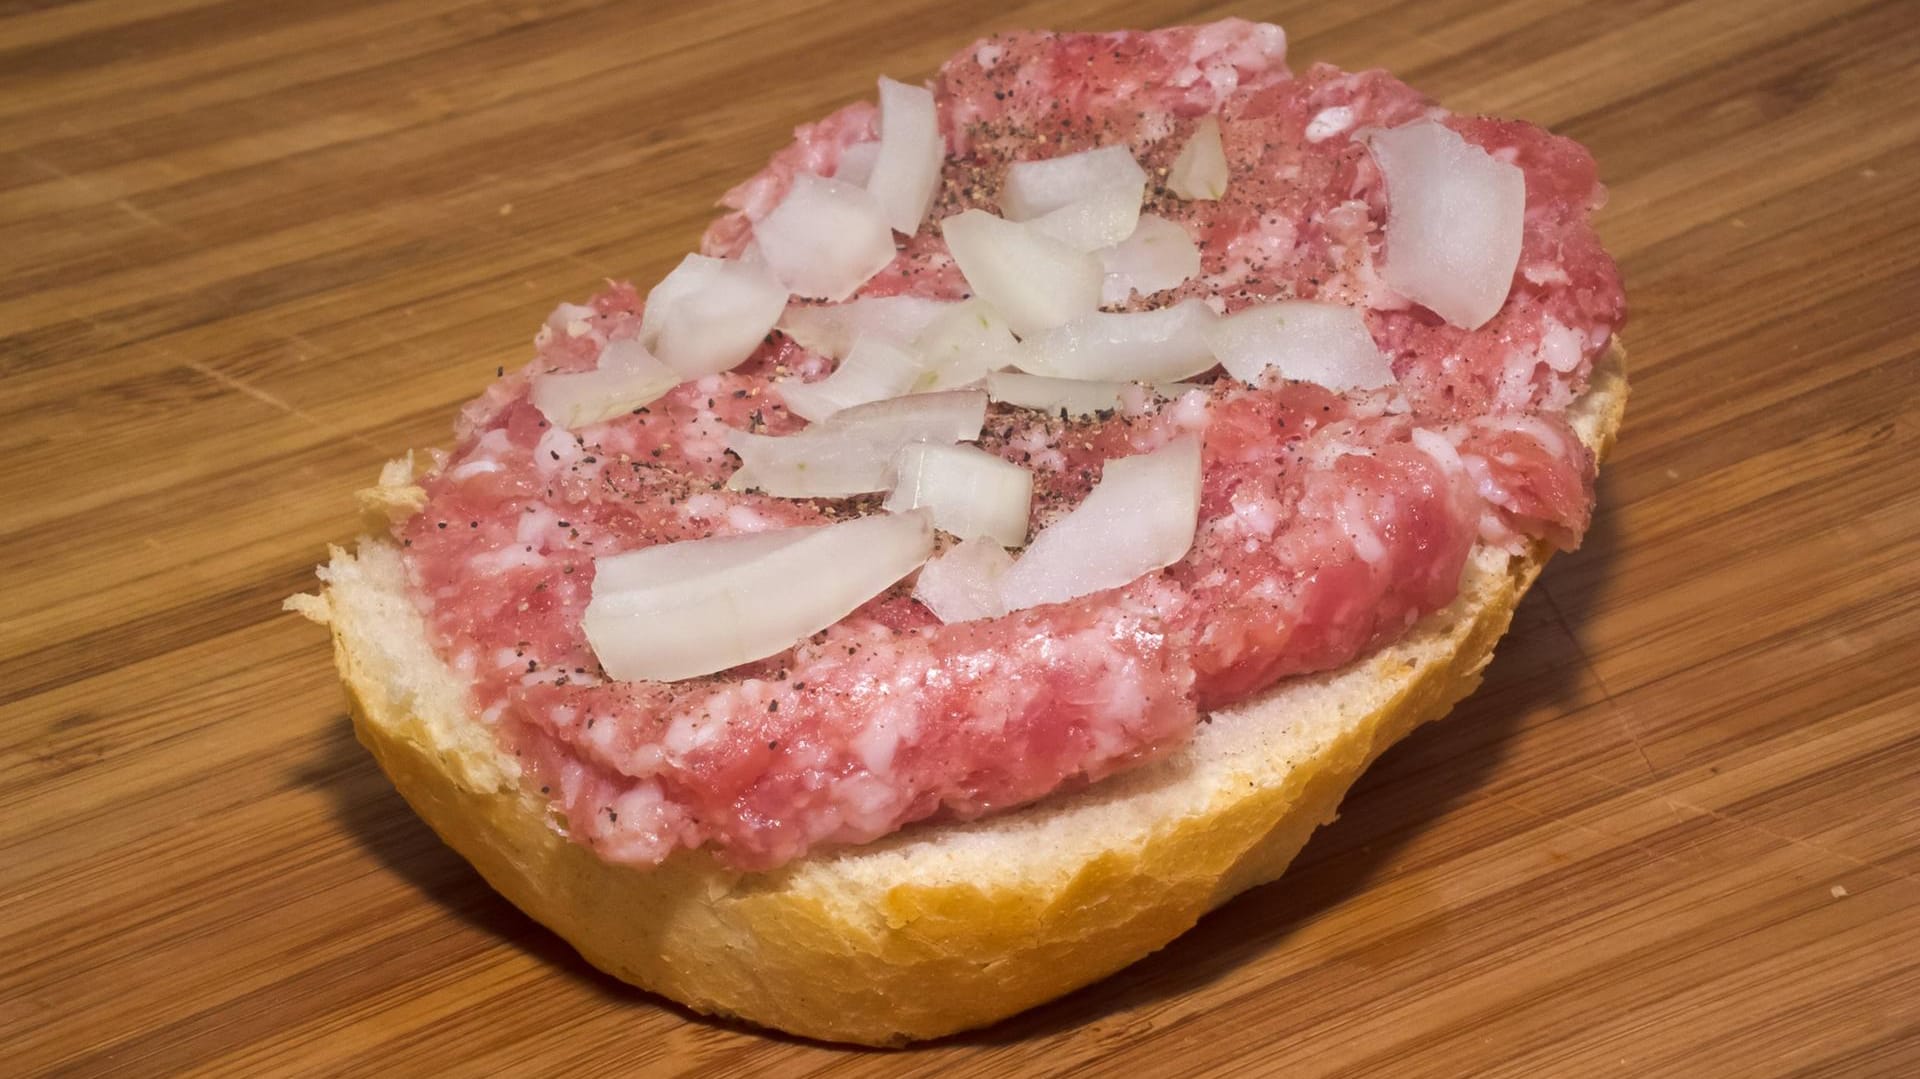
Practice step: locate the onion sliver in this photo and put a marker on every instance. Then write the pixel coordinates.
(972, 493)
(852, 452)
(1073, 396)
(1144, 346)
(1140, 517)
(1159, 255)
(830, 329)
(682, 610)
(1102, 219)
(874, 370)
(1323, 343)
(627, 377)
(1199, 171)
(825, 239)
(964, 342)
(1033, 280)
(907, 172)
(710, 314)
(1454, 221)
(1033, 188)
(856, 163)
(964, 584)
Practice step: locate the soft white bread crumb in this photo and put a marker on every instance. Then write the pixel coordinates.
(941, 927)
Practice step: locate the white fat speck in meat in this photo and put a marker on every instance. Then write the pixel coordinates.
(511, 557)
(556, 452)
(1562, 348)
(1328, 122)
(534, 525)
(1354, 520)
(1189, 412)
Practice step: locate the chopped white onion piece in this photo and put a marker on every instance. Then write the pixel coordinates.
(971, 492)
(1033, 188)
(1323, 343)
(1073, 396)
(627, 377)
(1159, 255)
(1139, 517)
(852, 452)
(830, 329)
(964, 342)
(825, 239)
(682, 610)
(964, 584)
(874, 370)
(709, 314)
(1035, 281)
(1143, 346)
(1102, 219)
(856, 162)
(1454, 220)
(907, 172)
(1199, 171)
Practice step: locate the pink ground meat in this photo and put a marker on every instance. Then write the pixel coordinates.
(1329, 523)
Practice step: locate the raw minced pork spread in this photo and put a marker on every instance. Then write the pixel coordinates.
(1328, 522)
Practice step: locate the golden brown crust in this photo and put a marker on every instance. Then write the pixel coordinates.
(945, 927)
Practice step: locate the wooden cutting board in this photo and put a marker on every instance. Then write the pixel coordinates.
(248, 251)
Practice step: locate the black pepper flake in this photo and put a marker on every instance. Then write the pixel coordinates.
(533, 665)
(773, 706)
(773, 743)
(443, 524)
(544, 789)
(500, 372)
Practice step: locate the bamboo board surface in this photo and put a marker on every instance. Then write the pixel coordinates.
(250, 250)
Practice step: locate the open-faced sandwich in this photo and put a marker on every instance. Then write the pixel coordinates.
(1005, 540)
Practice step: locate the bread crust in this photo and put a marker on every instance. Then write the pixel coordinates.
(943, 927)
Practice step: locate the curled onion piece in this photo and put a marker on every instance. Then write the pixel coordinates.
(1073, 396)
(1033, 280)
(852, 452)
(1454, 221)
(627, 377)
(825, 239)
(907, 170)
(710, 314)
(1144, 346)
(1140, 517)
(1102, 219)
(1199, 171)
(682, 610)
(1158, 255)
(830, 329)
(1323, 343)
(963, 343)
(972, 493)
(874, 370)
(963, 584)
(1034, 188)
